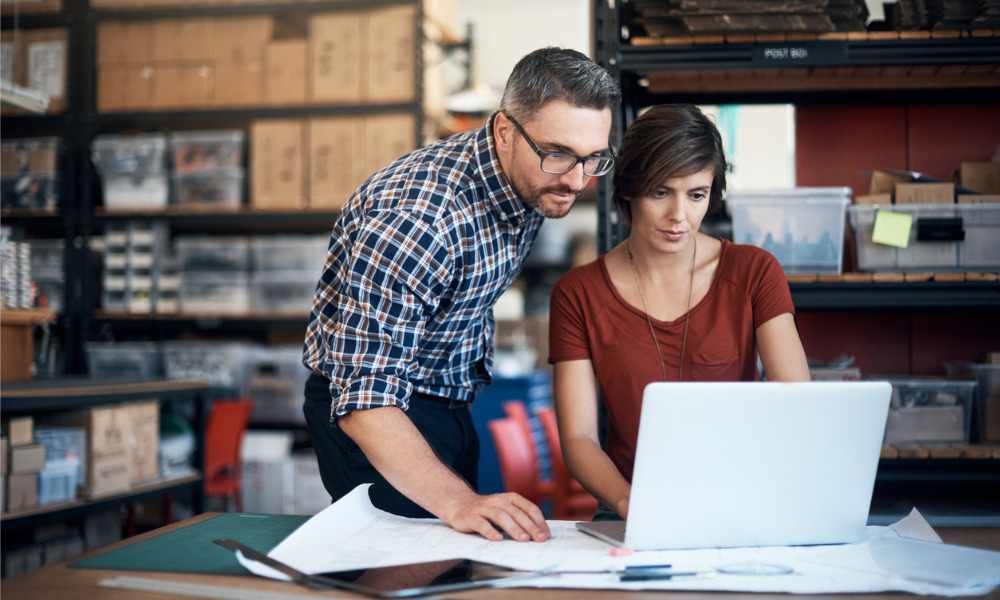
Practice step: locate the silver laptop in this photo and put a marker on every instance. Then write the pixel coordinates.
(723, 465)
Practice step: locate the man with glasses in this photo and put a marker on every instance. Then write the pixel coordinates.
(400, 339)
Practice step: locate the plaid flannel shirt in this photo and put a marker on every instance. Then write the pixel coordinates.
(417, 259)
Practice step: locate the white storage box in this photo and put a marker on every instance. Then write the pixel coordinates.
(802, 227)
(121, 154)
(136, 190)
(943, 237)
(206, 151)
(220, 188)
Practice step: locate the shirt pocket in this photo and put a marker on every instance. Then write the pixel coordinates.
(719, 364)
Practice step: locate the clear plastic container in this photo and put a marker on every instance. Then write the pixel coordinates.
(222, 293)
(130, 154)
(286, 253)
(929, 410)
(132, 360)
(943, 237)
(802, 227)
(29, 191)
(222, 187)
(212, 254)
(206, 151)
(284, 293)
(221, 364)
(987, 400)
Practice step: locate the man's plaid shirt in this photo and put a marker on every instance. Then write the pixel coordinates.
(417, 259)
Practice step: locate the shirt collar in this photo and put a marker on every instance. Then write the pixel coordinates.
(504, 200)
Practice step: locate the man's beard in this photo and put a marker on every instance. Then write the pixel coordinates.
(532, 198)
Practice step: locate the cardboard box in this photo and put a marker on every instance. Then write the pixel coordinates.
(983, 177)
(390, 58)
(27, 458)
(176, 40)
(108, 454)
(124, 87)
(884, 182)
(187, 85)
(336, 67)
(277, 164)
(387, 137)
(241, 39)
(19, 430)
(46, 54)
(11, 65)
(925, 193)
(124, 42)
(30, 7)
(143, 439)
(285, 78)
(22, 491)
(3, 457)
(336, 160)
(238, 83)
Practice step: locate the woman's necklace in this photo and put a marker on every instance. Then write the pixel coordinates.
(649, 321)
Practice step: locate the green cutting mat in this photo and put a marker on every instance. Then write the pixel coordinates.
(190, 549)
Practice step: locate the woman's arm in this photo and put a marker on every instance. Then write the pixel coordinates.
(781, 350)
(576, 410)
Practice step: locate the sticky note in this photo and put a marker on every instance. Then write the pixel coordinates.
(892, 228)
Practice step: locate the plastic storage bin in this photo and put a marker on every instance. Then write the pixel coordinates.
(133, 360)
(802, 227)
(30, 191)
(58, 480)
(288, 293)
(275, 380)
(136, 190)
(221, 364)
(207, 254)
(943, 237)
(929, 411)
(284, 253)
(206, 151)
(222, 293)
(987, 398)
(133, 154)
(223, 187)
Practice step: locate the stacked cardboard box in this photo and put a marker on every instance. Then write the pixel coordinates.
(319, 162)
(21, 462)
(344, 57)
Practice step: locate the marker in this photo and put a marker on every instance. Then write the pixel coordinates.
(655, 576)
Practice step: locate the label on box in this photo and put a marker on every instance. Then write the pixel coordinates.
(47, 62)
(892, 228)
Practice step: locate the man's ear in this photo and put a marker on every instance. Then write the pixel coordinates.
(503, 132)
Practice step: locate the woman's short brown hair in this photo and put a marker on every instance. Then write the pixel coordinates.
(667, 141)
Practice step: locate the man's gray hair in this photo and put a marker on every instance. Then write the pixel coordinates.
(557, 74)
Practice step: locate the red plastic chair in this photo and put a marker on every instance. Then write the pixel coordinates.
(570, 500)
(227, 422)
(544, 489)
(516, 457)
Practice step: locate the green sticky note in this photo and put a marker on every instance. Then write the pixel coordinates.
(892, 228)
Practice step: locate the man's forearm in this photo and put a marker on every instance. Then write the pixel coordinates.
(396, 448)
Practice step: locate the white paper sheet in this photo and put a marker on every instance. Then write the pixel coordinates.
(353, 534)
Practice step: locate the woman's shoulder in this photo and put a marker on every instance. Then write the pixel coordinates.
(743, 255)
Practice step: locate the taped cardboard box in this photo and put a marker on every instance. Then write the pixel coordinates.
(390, 52)
(124, 87)
(238, 83)
(336, 57)
(285, 76)
(143, 439)
(108, 458)
(177, 40)
(124, 42)
(30, 7)
(46, 54)
(336, 160)
(925, 193)
(982, 177)
(19, 430)
(277, 164)
(241, 39)
(182, 85)
(22, 491)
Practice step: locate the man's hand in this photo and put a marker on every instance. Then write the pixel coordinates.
(489, 515)
(395, 447)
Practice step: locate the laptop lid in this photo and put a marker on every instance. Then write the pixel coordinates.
(732, 464)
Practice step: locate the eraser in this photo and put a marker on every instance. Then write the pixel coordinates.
(622, 552)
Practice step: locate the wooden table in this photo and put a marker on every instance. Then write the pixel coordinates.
(59, 581)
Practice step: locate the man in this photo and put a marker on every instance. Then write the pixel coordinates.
(400, 335)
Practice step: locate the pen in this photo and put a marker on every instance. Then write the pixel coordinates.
(656, 576)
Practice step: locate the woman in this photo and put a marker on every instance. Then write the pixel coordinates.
(667, 304)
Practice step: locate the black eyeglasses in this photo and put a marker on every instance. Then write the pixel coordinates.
(557, 163)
